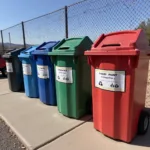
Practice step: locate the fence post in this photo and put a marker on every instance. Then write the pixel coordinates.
(23, 33)
(66, 21)
(3, 49)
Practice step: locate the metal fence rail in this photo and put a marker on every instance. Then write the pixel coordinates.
(86, 18)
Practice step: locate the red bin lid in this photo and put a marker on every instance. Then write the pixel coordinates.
(129, 42)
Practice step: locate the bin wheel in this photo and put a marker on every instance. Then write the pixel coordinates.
(143, 122)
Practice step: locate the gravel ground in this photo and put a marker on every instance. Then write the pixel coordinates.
(8, 140)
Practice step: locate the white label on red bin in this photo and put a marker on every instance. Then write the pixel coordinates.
(9, 67)
(43, 72)
(64, 74)
(110, 80)
(26, 69)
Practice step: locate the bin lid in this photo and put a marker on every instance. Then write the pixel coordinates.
(27, 52)
(72, 46)
(44, 48)
(12, 53)
(129, 42)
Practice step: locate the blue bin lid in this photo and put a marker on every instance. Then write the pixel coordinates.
(27, 52)
(44, 48)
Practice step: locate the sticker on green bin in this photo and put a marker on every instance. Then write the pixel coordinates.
(64, 74)
(43, 72)
(9, 67)
(26, 69)
(110, 80)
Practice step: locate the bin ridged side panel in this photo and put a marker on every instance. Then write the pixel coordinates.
(72, 98)
(116, 114)
(47, 92)
(15, 78)
(30, 81)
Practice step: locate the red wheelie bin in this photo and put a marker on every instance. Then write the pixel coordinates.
(119, 66)
(2, 66)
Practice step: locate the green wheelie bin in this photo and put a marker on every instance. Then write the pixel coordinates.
(72, 76)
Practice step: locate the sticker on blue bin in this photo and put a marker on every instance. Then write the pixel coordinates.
(26, 69)
(110, 80)
(43, 72)
(64, 74)
(9, 67)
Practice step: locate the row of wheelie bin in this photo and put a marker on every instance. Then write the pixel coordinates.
(114, 88)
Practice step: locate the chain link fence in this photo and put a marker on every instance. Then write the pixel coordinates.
(86, 18)
(50, 27)
(94, 17)
(13, 37)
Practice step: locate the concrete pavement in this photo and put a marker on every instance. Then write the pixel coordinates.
(42, 127)
(4, 86)
(85, 137)
(35, 123)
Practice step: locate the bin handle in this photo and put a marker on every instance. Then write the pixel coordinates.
(25, 52)
(97, 42)
(64, 47)
(89, 60)
(42, 48)
(108, 45)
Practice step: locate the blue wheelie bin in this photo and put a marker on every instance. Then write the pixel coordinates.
(29, 72)
(45, 71)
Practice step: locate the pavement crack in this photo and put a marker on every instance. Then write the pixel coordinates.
(64, 133)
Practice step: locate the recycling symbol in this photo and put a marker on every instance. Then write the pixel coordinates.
(114, 85)
(100, 83)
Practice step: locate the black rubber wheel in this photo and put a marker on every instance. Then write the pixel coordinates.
(143, 122)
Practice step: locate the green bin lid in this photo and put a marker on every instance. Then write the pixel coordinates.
(72, 46)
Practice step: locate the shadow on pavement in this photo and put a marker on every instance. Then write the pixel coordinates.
(1, 77)
(143, 140)
(87, 118)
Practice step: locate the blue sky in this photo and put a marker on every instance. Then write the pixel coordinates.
(15, 11)
(90, 18)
